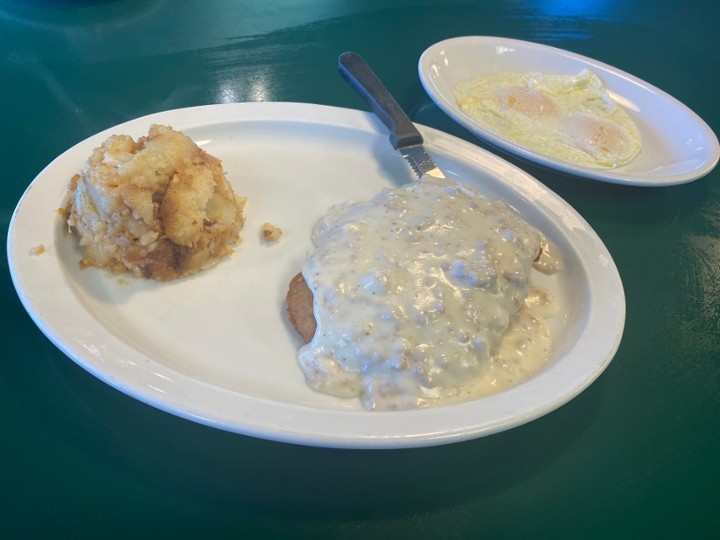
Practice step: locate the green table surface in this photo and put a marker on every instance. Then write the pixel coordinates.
(636, 454)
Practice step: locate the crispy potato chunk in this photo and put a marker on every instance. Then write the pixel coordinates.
(159, 207)
(183, 208)
(271, 233)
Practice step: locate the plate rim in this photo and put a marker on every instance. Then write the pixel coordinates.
(361, 434)
(605, 175)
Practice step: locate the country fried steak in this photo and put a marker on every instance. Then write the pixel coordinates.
(300, 308)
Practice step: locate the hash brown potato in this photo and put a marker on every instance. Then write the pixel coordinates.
(159, 207)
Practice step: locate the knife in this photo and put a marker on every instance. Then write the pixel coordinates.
(404, 136)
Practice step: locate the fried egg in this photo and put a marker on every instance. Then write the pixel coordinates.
(568, 117)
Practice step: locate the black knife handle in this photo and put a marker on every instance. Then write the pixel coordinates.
(363, 80)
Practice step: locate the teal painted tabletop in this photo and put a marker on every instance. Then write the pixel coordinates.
(634, 455)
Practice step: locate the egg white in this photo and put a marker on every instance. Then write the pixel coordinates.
(569, 117)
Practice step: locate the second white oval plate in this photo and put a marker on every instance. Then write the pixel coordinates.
(678, 146)
(216, 348)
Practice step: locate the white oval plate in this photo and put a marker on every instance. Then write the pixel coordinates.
(216, 349)
(678, 146)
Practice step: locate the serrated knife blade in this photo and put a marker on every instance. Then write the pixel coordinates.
(404, 136)
(420, 161)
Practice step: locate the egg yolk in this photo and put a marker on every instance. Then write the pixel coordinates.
(527, 101)
(598, 137)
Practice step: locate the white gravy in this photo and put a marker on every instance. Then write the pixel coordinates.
(422, 296)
